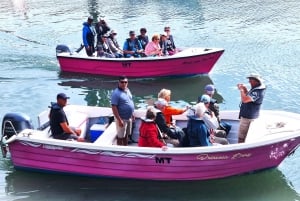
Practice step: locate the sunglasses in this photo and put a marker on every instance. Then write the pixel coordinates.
(123, 82)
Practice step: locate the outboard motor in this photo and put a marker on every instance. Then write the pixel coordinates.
(14, 123)
(62, 48)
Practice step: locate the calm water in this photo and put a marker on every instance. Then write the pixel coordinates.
(258, 36)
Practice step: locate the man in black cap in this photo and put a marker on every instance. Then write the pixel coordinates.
(250, 103)
(88, 36)
(59, 124)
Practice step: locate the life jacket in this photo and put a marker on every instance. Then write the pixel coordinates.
(135, 44)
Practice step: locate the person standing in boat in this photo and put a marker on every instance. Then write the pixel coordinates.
(122, 107)
(101, 29)
(132, 46)
(250, 104)
(88, 36)
(59, 124)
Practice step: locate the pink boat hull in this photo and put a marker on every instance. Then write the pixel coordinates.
(149, 166)
(180, 65)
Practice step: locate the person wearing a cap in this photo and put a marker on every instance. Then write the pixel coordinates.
(122, 107)
(143, 38)
(132, 46)
(197, 131)
(101, 29)
(212, 122)
(114, 45)
(103, 48)
(251, 101)
(59, 124)
(174, 134)
(163, 44)
(171, 48)
(213, 107)
(88, 36)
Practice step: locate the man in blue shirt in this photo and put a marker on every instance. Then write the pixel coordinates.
(88, 36)
(250, 103)
(132, 46)
(122, 107)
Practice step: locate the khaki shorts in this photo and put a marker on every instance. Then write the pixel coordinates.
(125, 131)
(244, 127)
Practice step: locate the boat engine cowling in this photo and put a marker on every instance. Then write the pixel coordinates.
(62, 48)
(14, 123)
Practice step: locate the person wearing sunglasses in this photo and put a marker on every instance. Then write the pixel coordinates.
(153, 48)
(122, 108)
(171, 48)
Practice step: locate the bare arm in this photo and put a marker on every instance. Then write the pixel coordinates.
(243, 91)
(117, 116)
(67, 129)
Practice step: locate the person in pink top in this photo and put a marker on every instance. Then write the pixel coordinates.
(153, 48)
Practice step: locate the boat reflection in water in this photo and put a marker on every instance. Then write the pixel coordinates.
(185, 90)
(266, 185)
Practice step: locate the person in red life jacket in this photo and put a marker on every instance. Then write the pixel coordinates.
(149, 133)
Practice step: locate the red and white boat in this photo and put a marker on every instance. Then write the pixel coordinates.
(273, 137)
(188, 62)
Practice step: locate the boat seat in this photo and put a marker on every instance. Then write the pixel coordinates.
(108, 137)
(76, 120)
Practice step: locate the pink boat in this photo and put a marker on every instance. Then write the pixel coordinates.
(188, 62)
(271, 139)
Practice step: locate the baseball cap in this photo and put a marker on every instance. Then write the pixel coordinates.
(205, 99)
(131, 33)
(210, 89)
(62, 96)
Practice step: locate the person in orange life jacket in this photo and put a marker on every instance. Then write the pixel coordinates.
(59, 124)
(251, 101)
(88, 36)
(149, 134)
(169, 110)
(132, 46)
